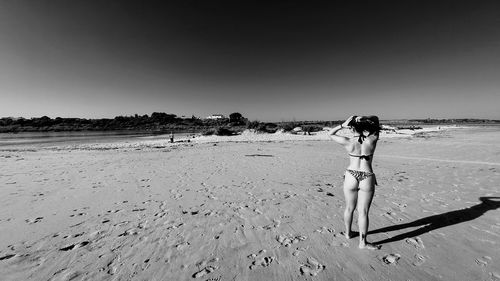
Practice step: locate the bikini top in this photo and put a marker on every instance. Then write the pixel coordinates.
(366, 157)
(361, 138)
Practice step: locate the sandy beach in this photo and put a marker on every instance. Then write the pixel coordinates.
(250, 209)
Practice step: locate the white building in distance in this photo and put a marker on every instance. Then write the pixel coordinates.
(216, 117)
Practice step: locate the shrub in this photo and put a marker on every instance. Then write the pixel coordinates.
(311, 128)
(208, 132)
(267, 128)
(289, 126)
(253, 124)
(235, 117)
(222, 131)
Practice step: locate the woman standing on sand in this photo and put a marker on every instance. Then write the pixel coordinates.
(359, 179)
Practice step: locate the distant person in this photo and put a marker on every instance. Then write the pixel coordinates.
(359, 179)
(171, 137)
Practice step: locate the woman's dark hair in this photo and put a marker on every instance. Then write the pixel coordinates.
(368, 124)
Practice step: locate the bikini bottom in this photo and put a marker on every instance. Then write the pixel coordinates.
(361, 175)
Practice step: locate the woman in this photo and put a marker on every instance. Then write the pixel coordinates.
(359, 179)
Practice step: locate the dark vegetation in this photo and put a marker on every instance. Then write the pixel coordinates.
(160, 122)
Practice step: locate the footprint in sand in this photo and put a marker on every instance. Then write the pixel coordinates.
(182, 246)
(214, 278)
(253, 256)
(400, 205)
(340, 244)
(67, 274)
(261, 260)
(207, 270)
(143, 224)
(275, 224)
(415, 242)
(79, 214)
(204, 263)
(312, 267)
(74, 246)
(494, 276)
(176, 196)
(264, 262)
(287, 239)
(482, 261)
(391, 215)
(257, 211)
(161, 214)
(145, 181)
(391, 258)
(35, 220)
(121, 223)
(325, 229)
(193, 213)
(400, 177)
(173, 225)
(163, 205)
(419, 260)
(8, 256)
(111, 267)
(129, 232)
(208, 213)
(339, 241)
(298, 251)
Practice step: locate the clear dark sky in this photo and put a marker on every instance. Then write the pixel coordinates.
(269, 60)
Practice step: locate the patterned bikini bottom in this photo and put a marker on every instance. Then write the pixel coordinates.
(361, 175)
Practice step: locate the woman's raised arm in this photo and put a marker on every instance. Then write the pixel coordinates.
(340, 139)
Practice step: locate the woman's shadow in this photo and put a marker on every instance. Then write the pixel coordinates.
(442, 220)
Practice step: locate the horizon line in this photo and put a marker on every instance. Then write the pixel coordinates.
(253, 119)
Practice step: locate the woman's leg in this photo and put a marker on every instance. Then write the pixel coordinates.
(351, 197)
(365, 196)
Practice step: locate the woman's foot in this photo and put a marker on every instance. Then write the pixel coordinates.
(369, 246)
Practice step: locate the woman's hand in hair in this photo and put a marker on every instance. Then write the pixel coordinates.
(372, 119)
(347, 121)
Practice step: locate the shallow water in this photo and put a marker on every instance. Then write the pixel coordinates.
(45, 139)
